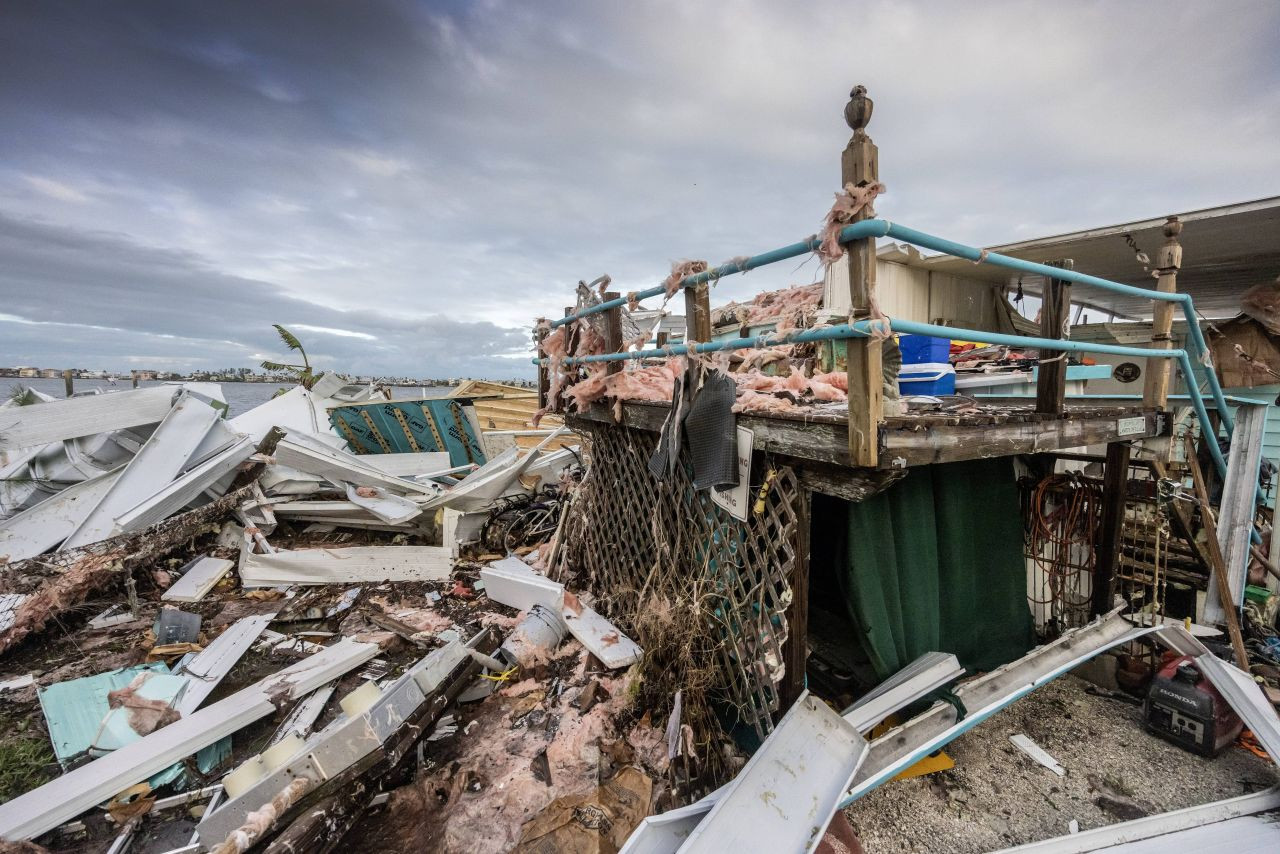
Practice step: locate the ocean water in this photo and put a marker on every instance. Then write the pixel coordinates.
(241, 397)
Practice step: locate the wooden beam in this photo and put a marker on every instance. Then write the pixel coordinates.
(540, 333)
(796, 651)
(1219, 572)
(1114, 493)
(1181, 520)
(944, 444)
(1055, 317)
(906, 442)
(860, 166)
(613, 332)
(1156, 388)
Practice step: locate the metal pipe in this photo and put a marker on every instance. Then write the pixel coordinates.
(857, 231)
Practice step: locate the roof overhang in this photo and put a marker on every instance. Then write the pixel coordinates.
(1225, 251)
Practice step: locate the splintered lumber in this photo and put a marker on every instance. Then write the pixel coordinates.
(198, 579)
(66, 797)
(41, 588)
(370, 564)
(1217, 566)
(158, 462)
(58, 420)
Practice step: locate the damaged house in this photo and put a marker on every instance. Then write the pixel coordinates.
(799, 573)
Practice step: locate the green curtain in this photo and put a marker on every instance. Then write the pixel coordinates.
(935, 563)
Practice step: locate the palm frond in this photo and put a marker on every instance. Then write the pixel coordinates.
(290, 340)
(20, 395)
(280, 366)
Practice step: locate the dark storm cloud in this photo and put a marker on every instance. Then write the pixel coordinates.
(364, 165)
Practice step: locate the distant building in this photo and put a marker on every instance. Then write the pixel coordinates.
(29, 373)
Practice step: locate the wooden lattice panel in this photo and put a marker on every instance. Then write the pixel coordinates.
(626, 527)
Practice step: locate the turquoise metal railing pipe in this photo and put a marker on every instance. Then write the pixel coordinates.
(885, 228)
(863, 329)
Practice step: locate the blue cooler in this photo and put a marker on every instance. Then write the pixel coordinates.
(922, 349)
(929, 378)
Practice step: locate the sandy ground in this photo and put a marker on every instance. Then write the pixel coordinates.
(997, 797)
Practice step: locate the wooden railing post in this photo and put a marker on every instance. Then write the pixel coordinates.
(1055, 315)
(544, 373)
(860, 165)
(697, 318)
(69, 382)
(613, 333)
(1155, 392)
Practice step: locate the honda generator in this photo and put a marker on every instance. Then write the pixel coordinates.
(1184, 707)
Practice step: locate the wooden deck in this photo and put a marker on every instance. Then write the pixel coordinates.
(998, 429)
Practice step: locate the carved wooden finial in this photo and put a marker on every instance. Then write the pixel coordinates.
(1172, 228)
(858, 111)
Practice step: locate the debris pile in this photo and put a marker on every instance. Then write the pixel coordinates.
(246, 630)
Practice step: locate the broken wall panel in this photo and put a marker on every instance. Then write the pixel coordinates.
(41, 527)
(408, 426)
(159, 461)
(58, 420)
(346, 565)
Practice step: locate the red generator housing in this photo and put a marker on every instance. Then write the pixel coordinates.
(1184, 707)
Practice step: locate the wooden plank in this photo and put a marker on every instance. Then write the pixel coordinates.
(46, 807)
(825, 440)
(58, 420)
(949, 444)
(796, 650)
(1114, 493)
(1219, 573)
(866, 392)
(1055, 317)
(201, 576)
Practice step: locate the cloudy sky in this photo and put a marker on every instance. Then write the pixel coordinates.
(408, 184)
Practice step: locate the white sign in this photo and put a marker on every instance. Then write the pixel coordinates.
(738, 499)
(1131, 426)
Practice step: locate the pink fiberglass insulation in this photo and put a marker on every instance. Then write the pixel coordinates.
(753, 359)
(754, 401)
(791, 307)
(679, 270)
(839, 379)
(849, 202)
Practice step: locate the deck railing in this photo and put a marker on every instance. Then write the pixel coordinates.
(1197, 350)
